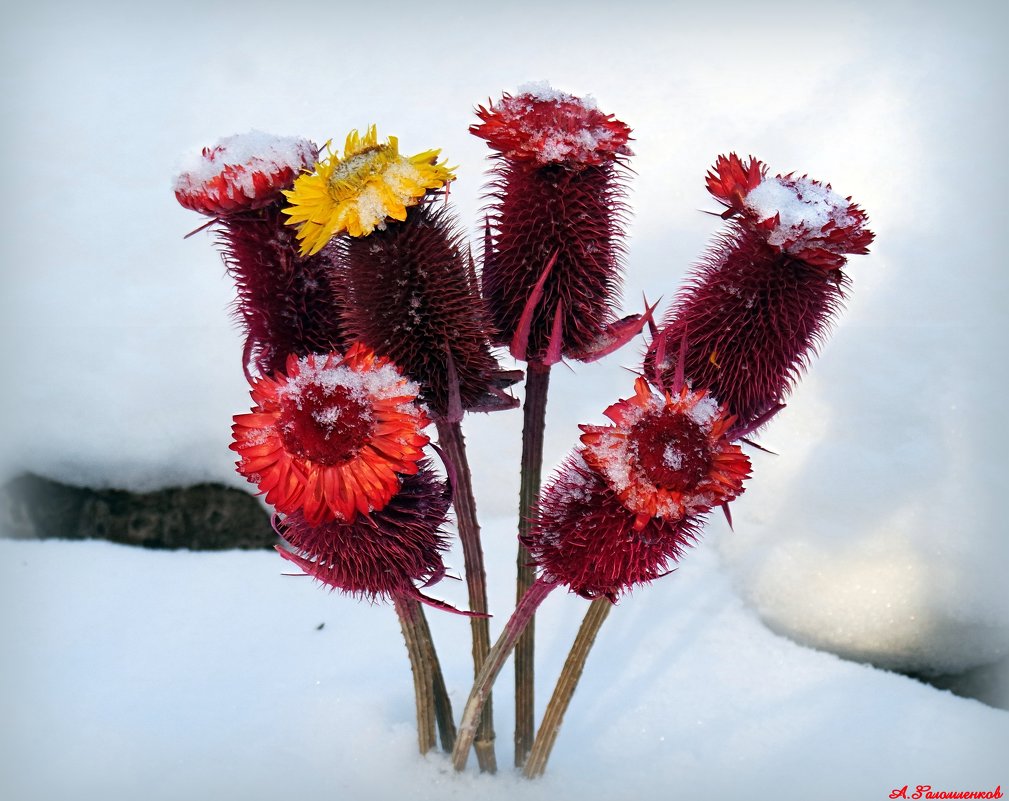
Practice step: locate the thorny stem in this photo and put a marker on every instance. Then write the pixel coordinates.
(420, 666)
(597, 613)
(450, 438)
(496, 658)
(534, 424)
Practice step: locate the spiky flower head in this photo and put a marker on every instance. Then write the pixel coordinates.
(585, 538)
(544, 126)
(764, 296)
(380, 555)
(626, 504)
(332, 436)
(554, 243)
(242, 172)
(413, 296)
(359, 191)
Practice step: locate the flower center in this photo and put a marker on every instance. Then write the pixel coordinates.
(326, 425)
(350, 174)
(671, 450)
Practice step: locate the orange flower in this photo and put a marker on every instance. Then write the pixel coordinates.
(667, 456)
(331, 437)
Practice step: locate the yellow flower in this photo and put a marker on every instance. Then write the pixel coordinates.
(357, 193)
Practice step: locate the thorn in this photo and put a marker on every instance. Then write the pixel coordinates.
(201, 228)
(455, 411)
(555, 345)
(681, 364)
(757, 422)
(728, 515)
(759, 447)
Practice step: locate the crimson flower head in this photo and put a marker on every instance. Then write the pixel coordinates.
(242, 173)
(554, 242)
(286, 304)
(628, 503)
(763, 297)
(543, 126)
(331, 437)
(381, 555)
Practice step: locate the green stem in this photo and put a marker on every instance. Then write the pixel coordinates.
(534, 424)
(598, 611)
(451, 440)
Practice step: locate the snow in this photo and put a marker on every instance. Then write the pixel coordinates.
(214, 680)
(874, 532)
(255, 149)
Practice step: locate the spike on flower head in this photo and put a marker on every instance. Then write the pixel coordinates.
(386, 553)
(666, 456)
(544, 126)
(554, 244)
(584, 536)
(357, 193)
(242, 173)
(412, 298)
(764, 296)
(331, 436)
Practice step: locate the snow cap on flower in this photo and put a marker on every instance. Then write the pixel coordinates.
(545, 126)
(584, 536)
(381, 555)
(667, 455)
(357, 193)
(331, 437)
(242, 172)
(799, 216)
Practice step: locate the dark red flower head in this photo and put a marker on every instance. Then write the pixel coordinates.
(554, 243)
(798, 216)
(544, 126)
(762, 300)
(626, 504)
(412, 295)
(386, 553)
(243, 172)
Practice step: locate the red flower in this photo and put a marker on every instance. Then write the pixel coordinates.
(667, 456)
(627, 504)
(763, 298)
(584, 536)
(243, 172)
(544, 126)
(382, 554)
(554, 244)
(332, 436)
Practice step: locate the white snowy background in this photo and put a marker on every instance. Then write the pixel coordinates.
(873, 534)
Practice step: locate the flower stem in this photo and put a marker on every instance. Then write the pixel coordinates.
(420, 666)
(450, 438)
(598, 611)
(442, 703)
(534, 424)
(496, 658)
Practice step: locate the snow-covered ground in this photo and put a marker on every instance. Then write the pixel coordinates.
(874, 532)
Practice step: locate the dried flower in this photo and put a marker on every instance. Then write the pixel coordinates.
(554, 245)
(625, 505)
(332, 436)
(242, 173)
(359, 192)
(763, 298)
(286, 304)
(382, 554)
(413, 297)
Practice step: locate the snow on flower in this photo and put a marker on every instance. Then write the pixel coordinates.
(357, 193)
(546, 126)
(242, 172)
(332, 436)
